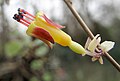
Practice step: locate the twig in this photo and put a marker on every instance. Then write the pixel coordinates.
(90, 34)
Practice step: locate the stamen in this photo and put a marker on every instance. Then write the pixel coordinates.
(98, 50)
(27, 17)
(16, 17)
(30, 14)
(20, 19)
(24, 23)
(25, 12)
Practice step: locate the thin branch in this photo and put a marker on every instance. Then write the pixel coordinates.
(88, 31)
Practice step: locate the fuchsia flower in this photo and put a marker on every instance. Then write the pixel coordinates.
(96, 50)
(43, 28)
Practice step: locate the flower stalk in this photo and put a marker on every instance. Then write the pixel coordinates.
(89, 33)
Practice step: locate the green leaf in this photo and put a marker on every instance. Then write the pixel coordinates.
(37, 64)
(47, 76)
(34, 79)
(41, 51)
(12, 48)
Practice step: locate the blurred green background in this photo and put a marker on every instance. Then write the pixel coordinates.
(23, 58)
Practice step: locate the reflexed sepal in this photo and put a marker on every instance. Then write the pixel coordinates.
(47, 20)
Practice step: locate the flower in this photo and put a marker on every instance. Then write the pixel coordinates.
(43, 28)
(96, 50)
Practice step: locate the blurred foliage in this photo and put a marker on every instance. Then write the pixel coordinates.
(12, 48)
(41, 51)
(34, 79)
(37, 64)
(47, 76)
(24, 58)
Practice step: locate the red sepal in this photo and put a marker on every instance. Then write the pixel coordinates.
(41, 33)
